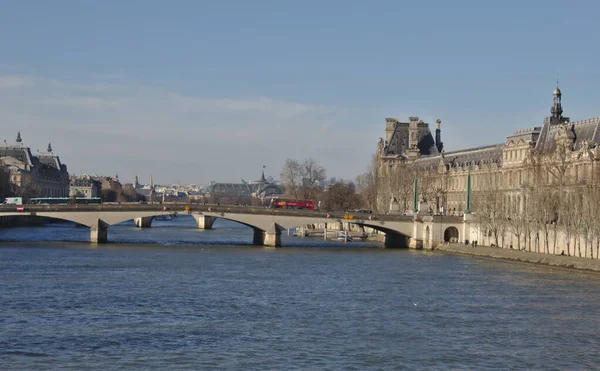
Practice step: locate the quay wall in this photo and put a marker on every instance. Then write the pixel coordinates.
(558, 242)
(558, 261)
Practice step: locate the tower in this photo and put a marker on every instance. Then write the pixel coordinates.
(136, 183)
(49, 149)
(438, 136)
(557, 110)
(412, 152)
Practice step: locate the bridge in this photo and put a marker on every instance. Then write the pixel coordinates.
(420, 231)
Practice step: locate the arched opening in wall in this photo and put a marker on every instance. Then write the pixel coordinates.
(451, 234)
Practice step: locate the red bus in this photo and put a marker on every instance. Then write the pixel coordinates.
(283, 203)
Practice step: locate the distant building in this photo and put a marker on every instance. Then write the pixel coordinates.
(41, 175)
(257, 189)
(85, 186)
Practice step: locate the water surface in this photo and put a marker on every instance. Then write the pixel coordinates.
(174, 297)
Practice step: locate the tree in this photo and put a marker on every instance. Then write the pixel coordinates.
(109, 195)
(5, 185)
(130, 195)
(488, 202)
(340, 196)
(313, 175)
(291, 177)
(305, 180)
(366, 184)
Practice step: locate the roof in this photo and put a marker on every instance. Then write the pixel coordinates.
(49, 159)
(245, 189)
(401, 129)
(471, 156)
(18, 152)
(583, 130)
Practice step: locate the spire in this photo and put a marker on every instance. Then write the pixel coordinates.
(262, 177)
(556, 104)
(49, 147)
(19, 140)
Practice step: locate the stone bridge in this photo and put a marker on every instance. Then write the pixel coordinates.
(267, 224)
(400, 231)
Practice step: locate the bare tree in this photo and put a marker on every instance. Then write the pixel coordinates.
(5, 186)
(367, 185)
(291, 177)
(340, 196)
(313, 175)
(488, 202)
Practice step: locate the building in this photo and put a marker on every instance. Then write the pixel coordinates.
(243, 192)
(560, 152)
(85, 186)
(34, 175)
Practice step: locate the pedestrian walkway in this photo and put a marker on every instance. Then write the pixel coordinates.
(522, 256)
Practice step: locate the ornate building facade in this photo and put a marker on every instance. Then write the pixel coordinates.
(559, 152)
(41, 174)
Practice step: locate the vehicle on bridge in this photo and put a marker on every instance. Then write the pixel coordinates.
(283, 203)
(64, 200)
(13, 201)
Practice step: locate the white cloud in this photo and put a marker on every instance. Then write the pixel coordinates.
(114, 127)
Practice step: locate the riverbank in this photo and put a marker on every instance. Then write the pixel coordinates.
(558, 261)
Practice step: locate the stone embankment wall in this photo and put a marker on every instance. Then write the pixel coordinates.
(522, 256)
(558, 242)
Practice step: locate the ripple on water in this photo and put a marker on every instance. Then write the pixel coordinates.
(179, 298)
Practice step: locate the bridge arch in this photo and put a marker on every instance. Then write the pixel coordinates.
(273, 225)
(451, 234)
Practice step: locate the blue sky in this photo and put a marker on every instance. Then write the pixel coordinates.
(194, 91)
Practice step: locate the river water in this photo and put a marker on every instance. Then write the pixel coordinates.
(174, 297)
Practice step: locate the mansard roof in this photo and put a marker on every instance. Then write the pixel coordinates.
(50, 160)
(583, 130)
(464, 157)
(426, 145)
(18, 152)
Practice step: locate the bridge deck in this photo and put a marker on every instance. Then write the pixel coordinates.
(212, 208)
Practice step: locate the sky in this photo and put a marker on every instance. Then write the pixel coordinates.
(199, 91)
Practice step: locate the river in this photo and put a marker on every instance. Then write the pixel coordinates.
(175, 297)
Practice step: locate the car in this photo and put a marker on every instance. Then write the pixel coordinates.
(364, 211)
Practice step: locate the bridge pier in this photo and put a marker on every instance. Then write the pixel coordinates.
(415, 243)
(99, 232)
(395, 240)
(270, 238)
(204, 221)
(144, 222)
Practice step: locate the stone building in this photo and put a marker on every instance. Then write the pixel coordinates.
(559, 151)
(34, 175)
(85, 186)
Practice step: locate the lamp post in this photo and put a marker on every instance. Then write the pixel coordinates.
(442, 224)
